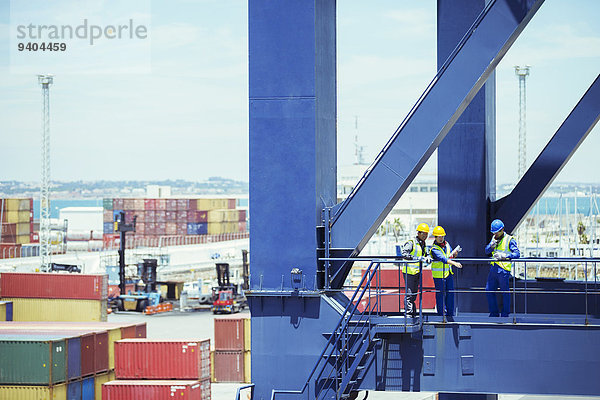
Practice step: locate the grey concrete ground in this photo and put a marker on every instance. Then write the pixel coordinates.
(200, 325)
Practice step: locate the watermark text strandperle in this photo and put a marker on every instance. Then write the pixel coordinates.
(84, 31)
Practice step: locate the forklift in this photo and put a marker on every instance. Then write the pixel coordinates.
(140, 299)
(226, 296)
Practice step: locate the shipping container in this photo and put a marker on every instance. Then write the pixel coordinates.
(160, 216)
(229, 334)
(171, 216)
(127, 204)
(182, 216)
(140, 228)
(161, 228)
(242, 215)
(6, 311)
(54, 285)
(87, 388)
(25, 309)
(171, 228)
(231, 203)
(139, 204)
(57, 392)
(150, 216)
(161, 204)
(242, 226)
(32, 360)
(183, 204)
(118, 204)
(107, 216)
(140, 330)
(212, 204)
(149, 204)
(24, 228)
(247, 367)
(171, 205)
(17, 216)
(9, 229)
(198, 216)
(74, 390)
(162, 359)
(182, 228)
(108, 227)
(110, 240)
(107, 204)
(23, 239)
(128, 390)
(194, 228)
(129, 216)
(102, 379)
(229, 366)
(206, 390)
(10, 250)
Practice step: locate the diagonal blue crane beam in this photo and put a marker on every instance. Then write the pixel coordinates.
(514, 207)
(356, 219)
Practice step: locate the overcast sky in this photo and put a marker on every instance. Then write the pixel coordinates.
(175, 106)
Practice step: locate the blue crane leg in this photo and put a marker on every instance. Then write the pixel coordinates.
(292, 135)
(426, 126)
(513, 208)
(467, 155)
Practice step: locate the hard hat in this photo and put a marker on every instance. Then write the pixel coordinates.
(497, 226)
(439, 231)
(423, 228)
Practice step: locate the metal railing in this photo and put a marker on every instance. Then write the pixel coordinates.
(176, 240)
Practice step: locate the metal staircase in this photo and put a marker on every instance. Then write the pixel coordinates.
(353, 344)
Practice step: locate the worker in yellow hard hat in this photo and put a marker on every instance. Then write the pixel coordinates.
(441, 270)
(413, 249)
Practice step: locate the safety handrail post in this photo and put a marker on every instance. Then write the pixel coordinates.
(514, 293)
(525, 284)
(586, 294)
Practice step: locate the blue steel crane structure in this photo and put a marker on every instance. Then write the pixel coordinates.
(308, 338)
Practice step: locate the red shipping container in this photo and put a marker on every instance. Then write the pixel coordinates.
(140, 228)
(161, 216)
(229, 333)
(149, 204)
(229, 366)
(182, 216)
(151, 390)
(182, 228)
(171, 205)
(150, 228)
(183, 204)
(162, 359)
(161, 204)
(192, 205)
(242, 226)
(171, 216)
(118, 204)
(129, 216)
(198, 216)
(113, 290)
(242, 215)
(9, 229)
(171, 228)
(54, 286)
(231, 204)
(149, 216)
(161, 228)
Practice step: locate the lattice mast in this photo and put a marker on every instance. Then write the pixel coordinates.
(45, 249)
(522, 73)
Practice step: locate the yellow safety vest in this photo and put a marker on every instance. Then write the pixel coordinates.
(417, 252)
(438, 268)
(503, 246)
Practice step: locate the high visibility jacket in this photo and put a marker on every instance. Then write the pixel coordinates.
(416, 253)
(438, 268)
(504, 246)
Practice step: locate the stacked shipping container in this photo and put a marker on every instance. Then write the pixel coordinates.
(174, 217)
(16, 223)
(64, 360)
(232, 350)
(55, 296)
(158, 368)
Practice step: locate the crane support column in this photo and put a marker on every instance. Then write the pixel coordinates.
(467, 156)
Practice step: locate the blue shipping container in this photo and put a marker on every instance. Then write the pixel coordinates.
(73, 358)
(109, 227)
(87, 389)
(9, 309)
(74, 390)
(197, 228)
(113, 274)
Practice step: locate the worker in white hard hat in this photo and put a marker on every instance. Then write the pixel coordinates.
(441, 270)
(414, 249)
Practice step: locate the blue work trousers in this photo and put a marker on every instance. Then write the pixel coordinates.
(444, 297)
(498, 278)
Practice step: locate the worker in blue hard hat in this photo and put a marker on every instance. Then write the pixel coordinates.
(414, 249)
(503, 248)
(441, 270)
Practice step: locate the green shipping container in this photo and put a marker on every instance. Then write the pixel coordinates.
(32, 360)
(107, 204)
